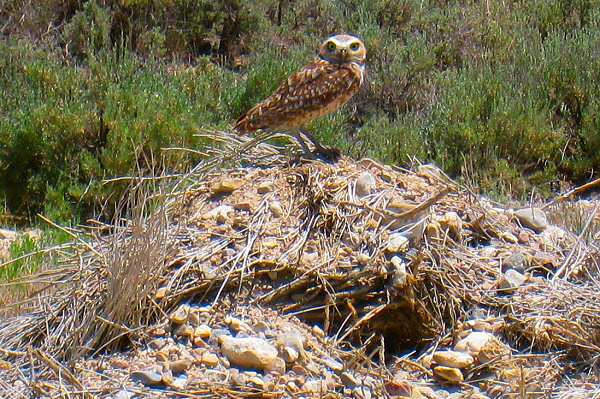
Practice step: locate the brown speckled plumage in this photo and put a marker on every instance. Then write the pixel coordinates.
(317, 90)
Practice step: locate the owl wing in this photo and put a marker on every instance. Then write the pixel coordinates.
(307, 93)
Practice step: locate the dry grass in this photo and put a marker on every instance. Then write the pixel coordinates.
(101, 294)
(320, 254)
(557, 316)
(581, 218)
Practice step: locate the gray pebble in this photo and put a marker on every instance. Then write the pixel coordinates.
(147, 377)
(123, 394)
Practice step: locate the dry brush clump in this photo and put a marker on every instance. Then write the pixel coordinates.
(557, 316)
(100, 294)
(383, 260)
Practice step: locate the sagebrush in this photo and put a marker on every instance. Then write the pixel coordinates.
(502, 93)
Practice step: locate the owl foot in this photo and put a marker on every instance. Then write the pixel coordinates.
(323, 154)
(328, 154)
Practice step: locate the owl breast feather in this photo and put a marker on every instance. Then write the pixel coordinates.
(317, 90)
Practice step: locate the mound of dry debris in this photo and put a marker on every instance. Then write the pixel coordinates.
(260, 277)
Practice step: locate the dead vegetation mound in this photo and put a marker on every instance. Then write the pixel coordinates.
(391, 266)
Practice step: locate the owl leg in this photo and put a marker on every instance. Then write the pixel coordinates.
(297, 134)
(332, 154)
(312, 139)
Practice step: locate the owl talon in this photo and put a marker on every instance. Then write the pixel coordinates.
(323, 154)
(329, 154)
(294, 161)
(301, 157)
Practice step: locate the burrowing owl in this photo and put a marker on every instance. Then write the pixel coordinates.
(317, 90)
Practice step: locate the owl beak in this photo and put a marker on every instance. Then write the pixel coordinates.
(344, 53)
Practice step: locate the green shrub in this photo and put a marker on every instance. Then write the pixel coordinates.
(402, 140)
(500, 94)
(71, 129)
(88, 31)
(27, 252)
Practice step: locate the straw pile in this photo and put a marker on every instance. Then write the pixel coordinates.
(362, 261)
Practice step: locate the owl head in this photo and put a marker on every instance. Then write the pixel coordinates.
(340, 49)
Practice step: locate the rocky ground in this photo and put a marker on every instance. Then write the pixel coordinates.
(196, 348)
(315, 280)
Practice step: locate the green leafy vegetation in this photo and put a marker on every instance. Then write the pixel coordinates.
(28, 252)
(502, 94)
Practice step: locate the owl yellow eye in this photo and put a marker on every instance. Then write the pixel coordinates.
(330, 46)
(354, 46)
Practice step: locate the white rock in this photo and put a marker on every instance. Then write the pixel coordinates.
(147, 377)
(483, 346)
(180, 366)
(534, 218)
(253, 353)
(365, 184)
(289, 354)
(397, 243)
(293, 339)
(474, 342)
(123, 394)
(400, 275)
